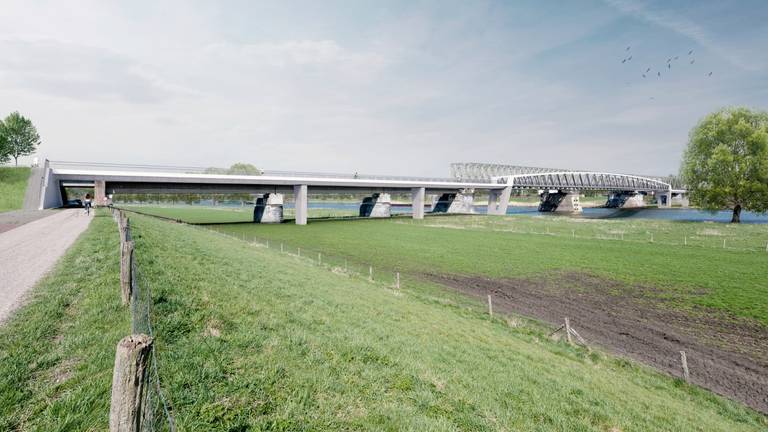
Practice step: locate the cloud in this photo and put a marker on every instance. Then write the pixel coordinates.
(681, 26)
(69, 70)
(298, 53)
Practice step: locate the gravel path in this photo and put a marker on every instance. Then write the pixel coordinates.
(29, 251)
(16, 218)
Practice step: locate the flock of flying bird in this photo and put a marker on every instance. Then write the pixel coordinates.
(670, 60)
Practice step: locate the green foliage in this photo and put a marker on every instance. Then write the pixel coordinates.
(726, 162)
(18, 137)
(236, 169)
(13, 185)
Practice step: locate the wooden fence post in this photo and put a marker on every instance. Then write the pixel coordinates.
(126, 261)
(397, 280)
(281, 248)
(370, 273)
(490, 305)
(128, 383)
(319, 258)
(568, 331)
(684, 362)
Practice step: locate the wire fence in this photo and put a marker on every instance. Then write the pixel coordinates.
(156, 414)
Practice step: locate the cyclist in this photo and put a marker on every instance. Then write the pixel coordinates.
(87, 204)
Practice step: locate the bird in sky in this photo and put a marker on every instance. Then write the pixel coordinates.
(677, 57)
(669, 66)
(669, 59)
(643, 75)
(630, 58)
(647, 70)
(624, 61)
(709, 74)
(628, 47)
(693, 61)
(659, 74)
(690, 52)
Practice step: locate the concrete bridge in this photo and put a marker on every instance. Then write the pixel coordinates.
(558, 190)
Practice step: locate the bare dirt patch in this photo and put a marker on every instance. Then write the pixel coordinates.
(727, 355)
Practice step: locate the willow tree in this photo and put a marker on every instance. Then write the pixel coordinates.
(726, 162)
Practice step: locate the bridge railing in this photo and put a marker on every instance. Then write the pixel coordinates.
(223, 171)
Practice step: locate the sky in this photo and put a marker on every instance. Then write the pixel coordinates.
(380, 87)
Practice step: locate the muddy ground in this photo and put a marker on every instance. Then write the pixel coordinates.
(726, 355)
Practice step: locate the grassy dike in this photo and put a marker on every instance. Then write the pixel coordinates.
(249, 339)
(13, 185)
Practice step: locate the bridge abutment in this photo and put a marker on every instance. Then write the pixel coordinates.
(459, 202)
(560, 202)
(378, 205)
(268, 208)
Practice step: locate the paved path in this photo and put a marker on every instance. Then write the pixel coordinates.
(29, 251)
(16, 218)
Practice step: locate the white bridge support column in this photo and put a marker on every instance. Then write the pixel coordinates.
(502, 196)
(493, 198)
(300, 199)
(268, 208)
(417, 202)
(378, 205)
(664, 198)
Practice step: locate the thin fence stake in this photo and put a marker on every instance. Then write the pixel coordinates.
(126, 267)
(573, 233)
(685, 241)
(651, 237)
(267, 244)
(319, 258)
(298, 251)
(345, 264)
(684, 362)
(622, 236)
(568, 331)
(397, 280)
(490, 305)
(281, 248)
(370, 273)
(723, 243)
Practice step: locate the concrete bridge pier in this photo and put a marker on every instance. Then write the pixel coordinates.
(625, 199)
(498, 201)
(268, 208)
(417, 202)
(560, 202)
(378, 205)
(664, 198)
(99, 193)
(681, 199)
(300, 200)
(460, 202)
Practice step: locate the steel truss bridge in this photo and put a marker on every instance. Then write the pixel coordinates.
(561, 178)
(581, 181)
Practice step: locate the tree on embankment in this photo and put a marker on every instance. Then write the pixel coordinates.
(726, 162)
(18, 137)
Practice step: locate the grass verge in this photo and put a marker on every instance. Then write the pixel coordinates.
(13, 185)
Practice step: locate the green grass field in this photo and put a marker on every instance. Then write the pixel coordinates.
(13, 185)
(250, 339)
(207, 214)
(702, 273)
